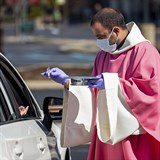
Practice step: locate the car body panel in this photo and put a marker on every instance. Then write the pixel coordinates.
(24, 138)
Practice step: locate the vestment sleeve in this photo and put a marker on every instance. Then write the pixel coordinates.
(142, 92)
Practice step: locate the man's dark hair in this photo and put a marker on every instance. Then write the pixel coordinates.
(109, 18)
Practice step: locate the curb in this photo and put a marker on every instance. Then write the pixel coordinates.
(43, 84)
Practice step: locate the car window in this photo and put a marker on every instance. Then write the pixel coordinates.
(4, 113)
(17, 93)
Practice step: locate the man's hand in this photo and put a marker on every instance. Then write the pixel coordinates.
(57, 75)
(96, 83)
(23, 110)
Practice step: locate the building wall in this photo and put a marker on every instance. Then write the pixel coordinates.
(138, 11)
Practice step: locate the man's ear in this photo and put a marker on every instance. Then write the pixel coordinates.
(116, 30)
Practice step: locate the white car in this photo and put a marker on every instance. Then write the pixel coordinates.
(26, 133)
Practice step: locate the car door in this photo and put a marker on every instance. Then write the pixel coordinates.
(21, 137)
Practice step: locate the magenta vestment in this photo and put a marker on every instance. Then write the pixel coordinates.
(138, 70)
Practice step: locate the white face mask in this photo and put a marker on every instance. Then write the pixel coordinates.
(104, 45)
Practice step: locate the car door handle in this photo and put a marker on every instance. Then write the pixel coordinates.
(18, 150)
(41, 146)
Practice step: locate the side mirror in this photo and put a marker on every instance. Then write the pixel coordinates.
(52, 107)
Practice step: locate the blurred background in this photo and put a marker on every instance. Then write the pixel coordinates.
(57, 31)
(36, 34)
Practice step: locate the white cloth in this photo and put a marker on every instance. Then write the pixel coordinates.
(115, 120)
(77, 116)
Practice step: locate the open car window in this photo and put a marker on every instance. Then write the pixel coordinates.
(17, 93)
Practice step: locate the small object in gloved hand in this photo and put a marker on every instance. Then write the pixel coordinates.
(56, 74)
(96, 83)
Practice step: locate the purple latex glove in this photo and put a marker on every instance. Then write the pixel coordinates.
(56, 74)
(96, 83)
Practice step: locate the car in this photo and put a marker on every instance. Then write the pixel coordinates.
(27, 132)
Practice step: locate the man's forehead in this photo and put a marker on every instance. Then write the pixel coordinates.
(99, 29)
(98, 25)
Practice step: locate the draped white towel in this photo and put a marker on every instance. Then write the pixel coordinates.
(115, 120)
(77, 116)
